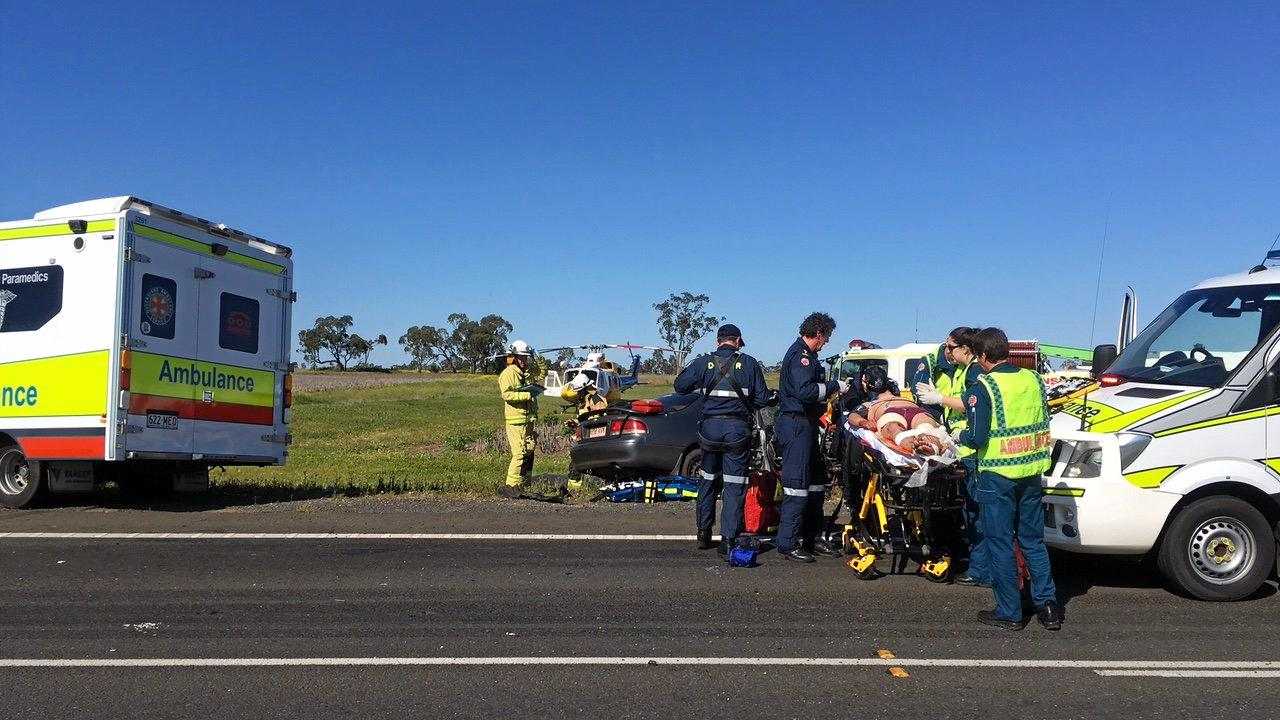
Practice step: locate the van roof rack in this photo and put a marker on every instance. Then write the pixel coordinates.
(120, 203)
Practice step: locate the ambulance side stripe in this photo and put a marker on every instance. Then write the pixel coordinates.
(186, 379)
(1133, 417)
(204, 248)
(1151, 478)
(37, 231)
(198, 410)
(62, 443)
(1225, 420)
(65, 386)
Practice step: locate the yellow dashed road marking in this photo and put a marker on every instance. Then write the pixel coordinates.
(894, 671)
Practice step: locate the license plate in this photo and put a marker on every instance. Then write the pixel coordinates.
(162, 421)
(595, 432)
(1050, 519)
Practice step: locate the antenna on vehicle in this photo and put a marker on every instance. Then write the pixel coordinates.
(1272, 254)
(1097, 293)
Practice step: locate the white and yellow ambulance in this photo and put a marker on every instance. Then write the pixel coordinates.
(138, 343)
(1177, 453)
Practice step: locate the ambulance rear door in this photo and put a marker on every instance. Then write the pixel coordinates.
(161, 323)
(242, 356)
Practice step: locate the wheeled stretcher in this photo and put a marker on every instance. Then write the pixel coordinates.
(906, 514)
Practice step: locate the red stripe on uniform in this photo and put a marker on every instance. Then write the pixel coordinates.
(195, 410)
(64, 448)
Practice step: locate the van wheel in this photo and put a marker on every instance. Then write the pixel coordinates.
(1218, 548)
(690, 465)
(19, 486)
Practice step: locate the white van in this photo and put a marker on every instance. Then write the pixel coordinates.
(900, 362)
(138, 344)
(1177, 453)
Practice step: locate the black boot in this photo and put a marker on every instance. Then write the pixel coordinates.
(704, 539)
(1050, 616)
(798, 555)
(822, 547)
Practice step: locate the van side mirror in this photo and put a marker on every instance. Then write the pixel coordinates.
(1103, 356)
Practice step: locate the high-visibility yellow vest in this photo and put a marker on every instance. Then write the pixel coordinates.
(955, 419)
(1018, 445)
(520, 407)
(958, 420)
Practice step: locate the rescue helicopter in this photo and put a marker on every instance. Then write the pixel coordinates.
(598, 382)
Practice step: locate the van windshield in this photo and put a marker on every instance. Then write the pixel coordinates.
(1202, 337)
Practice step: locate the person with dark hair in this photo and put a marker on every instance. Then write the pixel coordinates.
(1008, 416)
(949, 393)
(803, 391)
(733, 383)
(937, 370)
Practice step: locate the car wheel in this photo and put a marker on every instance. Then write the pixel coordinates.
(19, 486)
(1218, 548)
(690, 465)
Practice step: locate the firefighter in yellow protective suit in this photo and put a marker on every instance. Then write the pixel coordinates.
(520, 408)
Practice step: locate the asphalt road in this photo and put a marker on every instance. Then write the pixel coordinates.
(447, 602)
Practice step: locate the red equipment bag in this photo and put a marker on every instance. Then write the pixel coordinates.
(760, 510)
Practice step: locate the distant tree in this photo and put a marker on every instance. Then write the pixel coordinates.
(331, 334)
(466, 345)
(682, 322)
(478, 340)
(362, 348)
(658, 364)
(566, 358)
(431, 346)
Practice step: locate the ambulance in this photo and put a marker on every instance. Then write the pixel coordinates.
(140, 345)
(1176, 455)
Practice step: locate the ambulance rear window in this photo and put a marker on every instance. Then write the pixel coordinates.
(238, 324)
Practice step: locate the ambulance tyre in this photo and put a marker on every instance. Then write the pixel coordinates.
(690, 465)
(18, 485)
(1218, 548)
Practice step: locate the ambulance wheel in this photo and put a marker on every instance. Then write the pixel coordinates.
(691, 464)
(1218, 548)
(19, 487)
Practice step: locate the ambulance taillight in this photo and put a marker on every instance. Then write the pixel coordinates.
(288, 390)
(126, 369)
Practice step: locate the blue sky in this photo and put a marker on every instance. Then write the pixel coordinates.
(567, 165)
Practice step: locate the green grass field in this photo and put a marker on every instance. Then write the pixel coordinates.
(440, 436)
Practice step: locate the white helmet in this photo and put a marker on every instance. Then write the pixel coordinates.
(520, 347)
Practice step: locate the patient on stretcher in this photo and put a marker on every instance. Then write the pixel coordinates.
(901, 424)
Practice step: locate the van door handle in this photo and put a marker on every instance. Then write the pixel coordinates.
(202, 274)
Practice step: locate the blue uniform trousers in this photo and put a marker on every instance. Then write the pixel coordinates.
(802, 482)
(979, 557)
(1007, 505)
(727, 470)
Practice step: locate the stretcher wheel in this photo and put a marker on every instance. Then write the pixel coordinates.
(864, 567)
(939, 570)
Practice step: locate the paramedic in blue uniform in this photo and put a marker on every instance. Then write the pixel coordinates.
(1008, 428)
(803, 391)
(734, 385)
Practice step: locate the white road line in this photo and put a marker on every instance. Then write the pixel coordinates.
(334, 536)
(1191, 673)
(1099, 665)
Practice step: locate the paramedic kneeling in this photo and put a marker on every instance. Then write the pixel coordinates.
(1009, 431)
(733, 383)
(802, 391)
